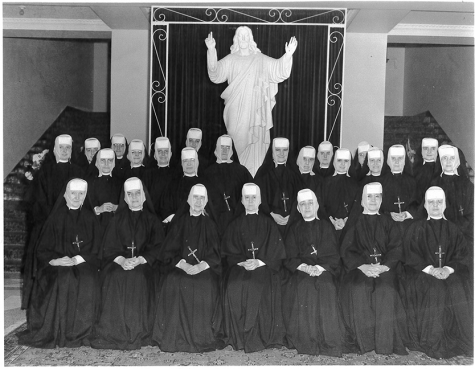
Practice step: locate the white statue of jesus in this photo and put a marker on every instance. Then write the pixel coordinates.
(250, 96)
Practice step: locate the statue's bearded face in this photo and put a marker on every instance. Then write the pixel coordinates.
(243, 38)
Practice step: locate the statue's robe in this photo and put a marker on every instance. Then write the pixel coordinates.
(249, 100)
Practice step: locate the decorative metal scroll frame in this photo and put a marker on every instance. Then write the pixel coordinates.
(336, 32)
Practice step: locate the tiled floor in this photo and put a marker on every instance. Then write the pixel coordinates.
(13, 315)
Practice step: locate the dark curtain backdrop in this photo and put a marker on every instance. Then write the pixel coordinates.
(194, 101)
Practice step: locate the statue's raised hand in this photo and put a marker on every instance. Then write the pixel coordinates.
(291, 46)
(210, 41)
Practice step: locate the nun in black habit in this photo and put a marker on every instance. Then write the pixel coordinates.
(340, 191)
(65, 295)
(310, 304)
(188, 317)
(157, 178)
(436, 283)
(227, 178)
(104, 188)
(130, 248)
(324, 165)
(49, 185)
(371, 251)
(279, 181)
(254, 250)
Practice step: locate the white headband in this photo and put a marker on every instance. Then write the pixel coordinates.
(373, 154)
(136, 145)
(65, 140)
(188, 153)
(91, 142)
(225, 140)
(305, 194)
(77, 185)
(363, 146)
(162, 143)
(106, 154)
(249, 189)
(118, 139)
(343, 154)
(308, 152)
(435, 192)
(397, 150)
(374, 187)
(132, 184)
(194, 133)
(446, 150)
(324, 146)
(281, 142)
(431, 142)
(199, 189)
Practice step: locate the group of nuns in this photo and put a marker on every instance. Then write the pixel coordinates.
(328, 254)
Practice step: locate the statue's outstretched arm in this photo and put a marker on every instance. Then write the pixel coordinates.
(291, 46)
(212, 55)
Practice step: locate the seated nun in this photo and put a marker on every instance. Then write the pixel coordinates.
(437, 284)
(188, 317)
(311, 310)
(371, 251)
(131, 245)
(254, 251)
(65, 295)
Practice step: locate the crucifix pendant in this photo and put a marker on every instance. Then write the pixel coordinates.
(253, 250)
(77, 243)
(132, 248)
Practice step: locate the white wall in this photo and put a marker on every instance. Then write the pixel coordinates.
(364, 89)
(130, 83)
(394, 102)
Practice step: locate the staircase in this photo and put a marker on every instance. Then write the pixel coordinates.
(80, 125)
